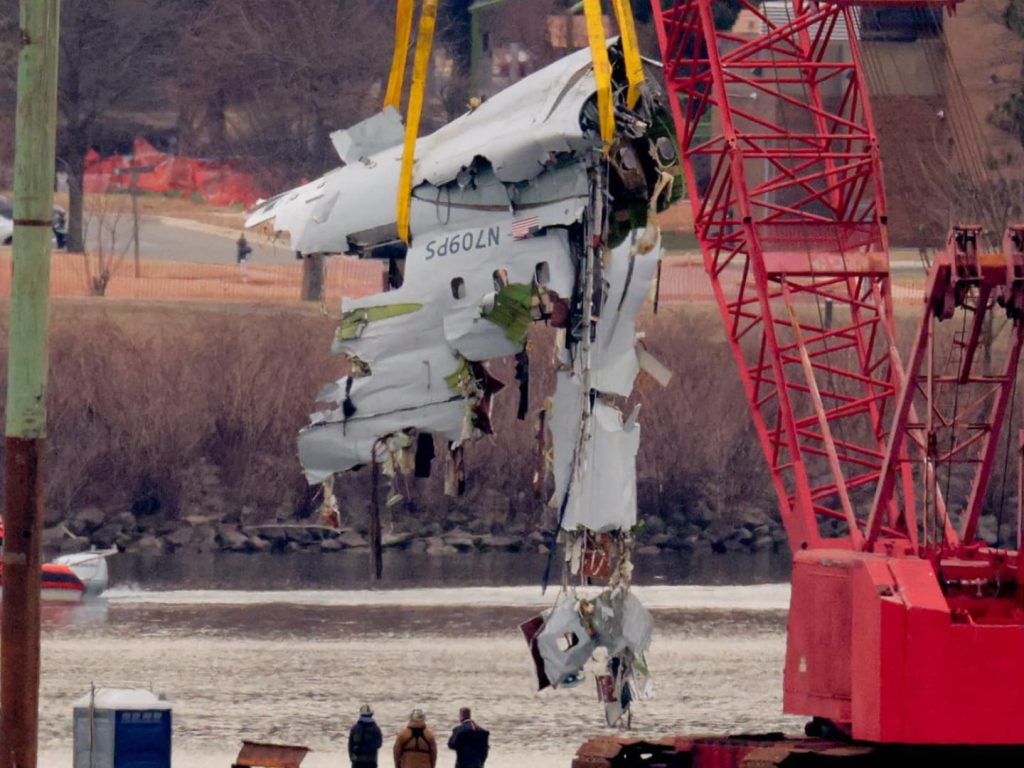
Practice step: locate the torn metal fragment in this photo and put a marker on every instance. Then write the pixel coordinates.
(564, 644)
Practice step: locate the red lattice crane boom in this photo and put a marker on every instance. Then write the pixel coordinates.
(904, 626)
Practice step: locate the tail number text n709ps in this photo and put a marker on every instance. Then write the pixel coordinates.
(473, 240)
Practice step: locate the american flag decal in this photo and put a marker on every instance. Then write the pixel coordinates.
(524, 227)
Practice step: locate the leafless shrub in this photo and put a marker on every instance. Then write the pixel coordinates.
(108, 228)
(144, 398)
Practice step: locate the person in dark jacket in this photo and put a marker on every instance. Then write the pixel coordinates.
(469, 741)
(364, 740)
(242, 251)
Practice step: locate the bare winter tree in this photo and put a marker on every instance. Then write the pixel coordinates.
(270, 79)
(117, 57)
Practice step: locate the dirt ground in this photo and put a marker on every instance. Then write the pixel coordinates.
(178, 280)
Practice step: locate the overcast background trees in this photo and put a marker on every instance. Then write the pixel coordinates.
(269, 80)
(260, 82)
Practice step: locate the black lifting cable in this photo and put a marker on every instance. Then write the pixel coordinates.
(967, 140)
(968, 148)
(964, 127)
(956, 407)
(986, 178)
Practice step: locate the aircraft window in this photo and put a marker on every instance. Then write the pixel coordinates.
(458, 288)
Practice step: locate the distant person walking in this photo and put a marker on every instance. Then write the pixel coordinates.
(364, 740)
(242, 251)
(416, 746)
(469, 741)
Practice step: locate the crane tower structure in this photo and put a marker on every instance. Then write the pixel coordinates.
(904, 626)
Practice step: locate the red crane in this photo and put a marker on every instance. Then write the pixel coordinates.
(904, 626)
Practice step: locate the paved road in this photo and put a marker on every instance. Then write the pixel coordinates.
(164, 238)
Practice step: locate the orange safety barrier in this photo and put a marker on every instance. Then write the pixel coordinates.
(682, 282)
(217, 182)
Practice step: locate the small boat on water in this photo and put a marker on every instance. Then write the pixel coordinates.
(59, 584)
(72, 577)
(91, 568)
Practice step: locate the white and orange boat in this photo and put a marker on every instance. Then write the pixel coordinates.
(60, 584)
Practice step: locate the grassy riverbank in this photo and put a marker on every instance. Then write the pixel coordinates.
(161, 413)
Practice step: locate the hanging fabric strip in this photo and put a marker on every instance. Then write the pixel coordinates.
(420, 70)
(630, 50)
(403, 34)
(602, 68)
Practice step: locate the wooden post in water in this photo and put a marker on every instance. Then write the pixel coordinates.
(376, 550)
(26, 382)
(375, 546)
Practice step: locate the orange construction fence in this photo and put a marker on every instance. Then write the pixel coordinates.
(218, 183)
(72, 275)
(682, 281)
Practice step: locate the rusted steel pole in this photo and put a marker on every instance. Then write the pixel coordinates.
(26, 382)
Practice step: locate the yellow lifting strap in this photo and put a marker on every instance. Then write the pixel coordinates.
(630, 50)
(420, 70)
(403, 34)
(602, 68)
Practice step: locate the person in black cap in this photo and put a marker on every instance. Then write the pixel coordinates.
(469, 741)
(364, 740)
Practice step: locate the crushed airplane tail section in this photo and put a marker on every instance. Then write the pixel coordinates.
(519, 213)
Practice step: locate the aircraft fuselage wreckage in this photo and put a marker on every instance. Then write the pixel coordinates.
(520, 212)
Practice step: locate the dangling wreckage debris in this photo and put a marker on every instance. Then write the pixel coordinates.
(519, 213)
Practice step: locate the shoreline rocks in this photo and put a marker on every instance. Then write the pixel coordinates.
(753, 532)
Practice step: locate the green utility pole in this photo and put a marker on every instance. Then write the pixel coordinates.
(35, 130)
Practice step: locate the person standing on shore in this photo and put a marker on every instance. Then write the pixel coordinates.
(469, 741)
(364, 740)
(416, 746)
(242, 251)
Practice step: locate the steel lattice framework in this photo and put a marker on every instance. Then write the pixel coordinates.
(898, 610)
(790, 212)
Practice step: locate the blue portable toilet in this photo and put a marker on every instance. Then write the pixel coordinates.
(122, 728)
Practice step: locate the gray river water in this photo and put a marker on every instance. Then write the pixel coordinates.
(275, 649)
